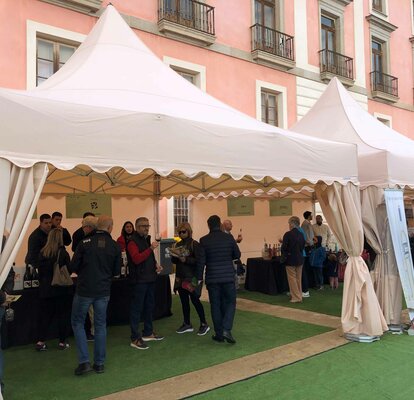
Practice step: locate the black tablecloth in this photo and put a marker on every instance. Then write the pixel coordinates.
(266, 276)
(23, 330)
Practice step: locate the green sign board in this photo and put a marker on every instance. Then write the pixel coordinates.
(240, 206)
(280, 207)
(78, 204)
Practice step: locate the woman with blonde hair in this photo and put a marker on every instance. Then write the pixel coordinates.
(188, 278)
(55, 301)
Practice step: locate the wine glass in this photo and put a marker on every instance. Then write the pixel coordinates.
(158, 237)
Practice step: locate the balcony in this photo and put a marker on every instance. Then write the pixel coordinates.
(384, 87)
(272, 47)
(187, 20)
(335, 64)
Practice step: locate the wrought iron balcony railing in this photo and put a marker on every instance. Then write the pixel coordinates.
(384, 83)
(189, 13)
(272, 41)
(336, 63)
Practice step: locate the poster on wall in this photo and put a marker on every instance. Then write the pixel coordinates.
(240, 206)
(78, 204)
(280, 207)
(401, 244)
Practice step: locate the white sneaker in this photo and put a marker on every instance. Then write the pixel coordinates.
(305, 294)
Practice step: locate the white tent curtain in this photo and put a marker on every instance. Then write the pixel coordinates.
(385, 276)
(21, 188)
(361, 313)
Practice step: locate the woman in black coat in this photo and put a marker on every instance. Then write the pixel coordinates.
(185, 255)
(55, 301)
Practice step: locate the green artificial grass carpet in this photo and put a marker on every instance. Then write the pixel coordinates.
(49, 375)
(360, 371)
(325, 301)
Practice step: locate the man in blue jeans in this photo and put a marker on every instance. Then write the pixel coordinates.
(96, 260)
(218, 252)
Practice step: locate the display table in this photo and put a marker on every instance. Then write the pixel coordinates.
(266, 276)
(23, 330)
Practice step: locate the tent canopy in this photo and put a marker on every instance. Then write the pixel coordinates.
(116, 119)
(385, 157)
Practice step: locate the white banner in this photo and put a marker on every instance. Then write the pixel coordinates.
(398, 226)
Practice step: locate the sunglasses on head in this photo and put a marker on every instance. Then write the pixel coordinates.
(180, 232)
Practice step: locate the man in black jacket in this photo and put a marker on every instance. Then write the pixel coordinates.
(220, 249)
(143, 271)
(80, 234)
(38, 239)
(97, 259)
(56, 223)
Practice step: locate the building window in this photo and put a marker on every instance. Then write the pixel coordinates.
(385, 119)
(188, 76)
(377, 56)
(378, 5)
(50, 57)
(328, 32)
(181, 211)
(271, 104)
(194, 73)
(264, 11)
(269, 101)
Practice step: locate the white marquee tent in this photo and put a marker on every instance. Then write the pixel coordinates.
(115, 119)
(385, 160)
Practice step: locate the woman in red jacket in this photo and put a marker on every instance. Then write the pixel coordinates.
(126, 233)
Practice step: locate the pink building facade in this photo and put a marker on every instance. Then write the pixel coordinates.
(270, 59)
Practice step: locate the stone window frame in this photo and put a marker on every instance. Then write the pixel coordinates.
(281, 91)
(33, 31)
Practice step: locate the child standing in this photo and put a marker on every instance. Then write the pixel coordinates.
(316, 259)
(333, 271)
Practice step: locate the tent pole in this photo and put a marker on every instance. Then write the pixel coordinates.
(157, 193)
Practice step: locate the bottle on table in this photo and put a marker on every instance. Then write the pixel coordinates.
(35, 278)
(27, 277)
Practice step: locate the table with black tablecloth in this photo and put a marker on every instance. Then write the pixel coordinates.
(266, 276)
(24, 328)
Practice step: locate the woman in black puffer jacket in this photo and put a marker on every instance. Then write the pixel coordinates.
(188, 278)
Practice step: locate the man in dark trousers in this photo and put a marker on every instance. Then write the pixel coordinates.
(97, 259)
(220, 249)
(38, 239)
(143, 270)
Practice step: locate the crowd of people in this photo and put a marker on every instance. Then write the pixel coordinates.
(98, 258)
(304, 251)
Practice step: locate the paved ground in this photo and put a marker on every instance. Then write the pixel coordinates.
(245, 367)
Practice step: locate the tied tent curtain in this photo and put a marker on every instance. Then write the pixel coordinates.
(361, 313)
(21, 188)
(385, 276)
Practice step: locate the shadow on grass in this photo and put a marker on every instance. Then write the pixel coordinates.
(49, 375)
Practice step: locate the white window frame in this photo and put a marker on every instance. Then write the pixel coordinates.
(33, 29)
(412, 16)
(281, 91)
(197, 70)
(384, 118)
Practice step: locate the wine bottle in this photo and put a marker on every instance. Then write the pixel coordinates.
(124, 263)
(35, 278)
(27, 278)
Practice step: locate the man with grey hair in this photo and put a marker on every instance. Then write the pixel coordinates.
(292, 249)
(97, 259)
